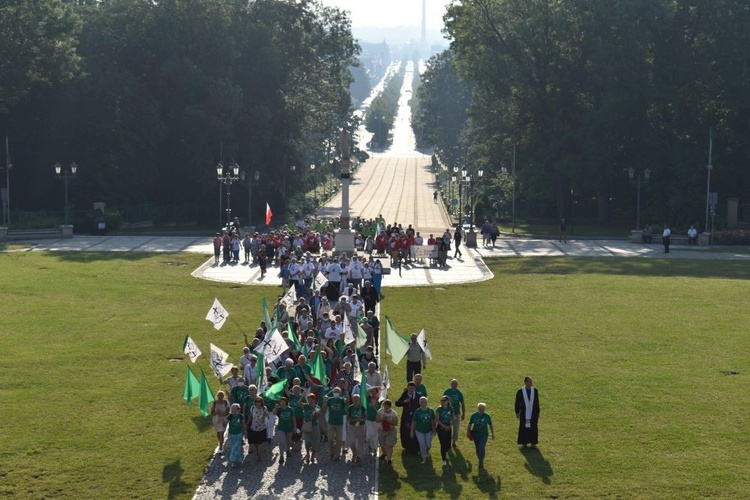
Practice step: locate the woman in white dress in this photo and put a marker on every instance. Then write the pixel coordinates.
(219, 412)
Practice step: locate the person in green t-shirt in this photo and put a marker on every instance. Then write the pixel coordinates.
(310, 427)
(355, 432)
(238, 393)
(295, 397)
(285, 428)
(444, 423)
(479, 423)
(459, 407)
(423, 427)
(236, 424)
(419, 387)
(335, 404)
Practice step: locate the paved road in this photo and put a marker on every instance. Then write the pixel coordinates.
(397, 183)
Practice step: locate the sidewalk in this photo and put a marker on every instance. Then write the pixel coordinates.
(470, 268)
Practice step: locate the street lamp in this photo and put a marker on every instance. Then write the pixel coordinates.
(65, 174)
(232, 175)
(638, 182)
(709, 167)
(247, 179)
(315, 180)
(480, 173)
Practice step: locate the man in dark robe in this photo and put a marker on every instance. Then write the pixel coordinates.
(409, 401)
(527, 412)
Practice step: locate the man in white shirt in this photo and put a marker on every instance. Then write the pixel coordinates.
(665, 238)
(308, 272)
(373, 376)
(295, 273)
(355, 273)
(333, 331)
(245, 359)
(334, 280)
(249, 373)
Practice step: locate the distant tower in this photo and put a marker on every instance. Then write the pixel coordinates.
(424, 23)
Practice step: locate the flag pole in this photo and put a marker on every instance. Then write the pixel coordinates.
(238, 326)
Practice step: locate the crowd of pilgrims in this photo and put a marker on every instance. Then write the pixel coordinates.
(331, 413)
(312, 237)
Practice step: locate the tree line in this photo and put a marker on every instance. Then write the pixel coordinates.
(587, 90)
(147, 97)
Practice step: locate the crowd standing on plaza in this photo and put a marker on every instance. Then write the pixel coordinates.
(313, 240)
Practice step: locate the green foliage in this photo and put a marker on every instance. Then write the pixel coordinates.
(169, 89)
(440, 118)
(382, 111)
(38, 48)
(587, 90)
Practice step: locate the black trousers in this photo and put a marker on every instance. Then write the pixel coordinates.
(444, 435)
(412, 368)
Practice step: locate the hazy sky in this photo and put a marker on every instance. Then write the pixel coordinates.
(392, 13)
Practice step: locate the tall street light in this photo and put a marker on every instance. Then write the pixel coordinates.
(709, 167)
(248, 180)
(231, 175)
(638, 183)
(66, 174)
(315, 189)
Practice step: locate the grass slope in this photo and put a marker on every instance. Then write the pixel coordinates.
(633, 361)
(89, 399)
(631, 358)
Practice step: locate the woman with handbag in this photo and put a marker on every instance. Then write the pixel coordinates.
(388, 420)
(479, 422)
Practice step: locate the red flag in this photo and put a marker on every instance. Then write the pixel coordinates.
(269, 214)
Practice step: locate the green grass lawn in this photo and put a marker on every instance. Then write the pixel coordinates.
(635, 361)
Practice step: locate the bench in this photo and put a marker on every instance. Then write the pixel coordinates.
(636, 236)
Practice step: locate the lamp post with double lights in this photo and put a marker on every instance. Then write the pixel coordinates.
(633, 179)
(248, 180)
(66, 174)
(229, 177)
(471, 236)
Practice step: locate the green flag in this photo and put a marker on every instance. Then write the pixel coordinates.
(205, 396)
(318, 367)
(292, 336)
(361, 337)
(266, 317)
(275, 391)
(396, 345)
(363, 390)
(260, 374)
(192, 387)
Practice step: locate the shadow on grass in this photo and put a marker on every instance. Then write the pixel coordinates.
(425, 479)
(84, 257)
(172, 474)
(487, 484)
(652, 267)
(536, 464)
(202, 423)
